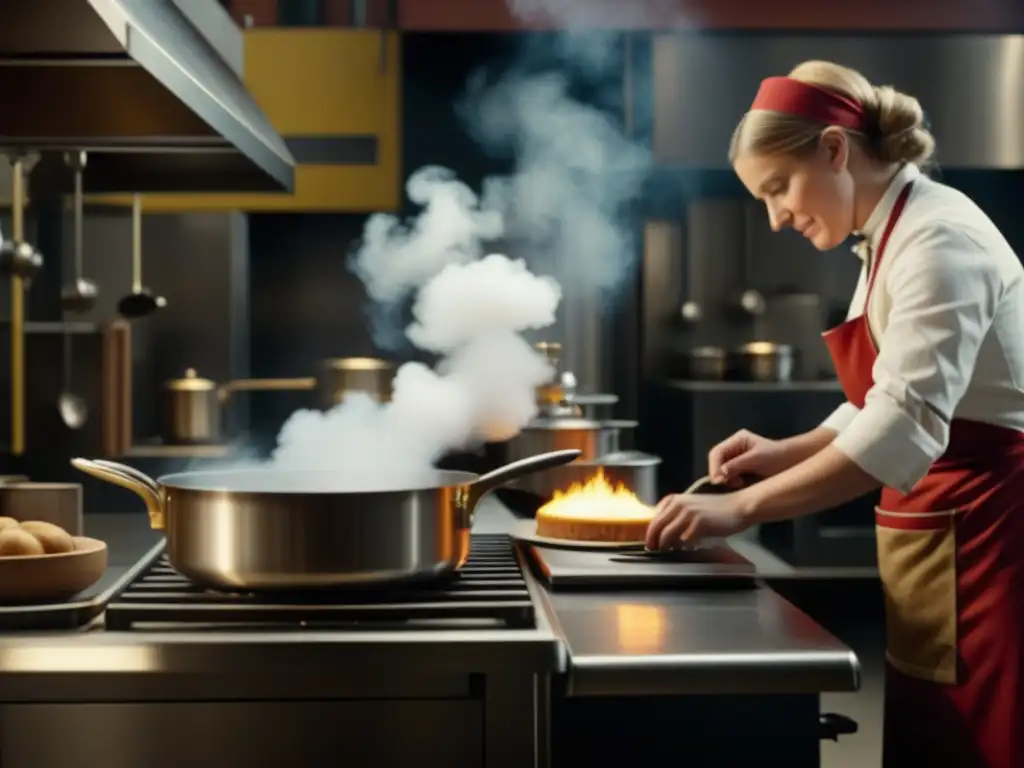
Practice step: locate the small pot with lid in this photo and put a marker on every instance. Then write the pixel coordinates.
(191, 410)
(192, 405)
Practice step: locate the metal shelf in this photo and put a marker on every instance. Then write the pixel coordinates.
(78, 327)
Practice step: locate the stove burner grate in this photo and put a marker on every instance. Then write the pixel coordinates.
(489, 591)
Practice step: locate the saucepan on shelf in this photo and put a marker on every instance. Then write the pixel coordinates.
(763, 361)
(758, 361)
(192, 404)
(703, 363)
(265, 529)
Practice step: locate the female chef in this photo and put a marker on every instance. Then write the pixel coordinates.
(931, 359)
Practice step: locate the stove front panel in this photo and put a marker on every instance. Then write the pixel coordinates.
(425, 733)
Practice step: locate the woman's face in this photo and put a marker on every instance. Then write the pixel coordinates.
(813, 194)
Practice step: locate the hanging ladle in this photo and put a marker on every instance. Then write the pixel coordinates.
(78, 297)
(18, 258)
(140, 302)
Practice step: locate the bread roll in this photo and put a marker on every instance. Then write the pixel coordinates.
(14, 542)
(55, 540)
(7, 522)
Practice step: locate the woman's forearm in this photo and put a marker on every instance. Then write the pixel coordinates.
(801, 447)
(826, 479)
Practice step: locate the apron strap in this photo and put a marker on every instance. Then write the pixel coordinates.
(890, 225)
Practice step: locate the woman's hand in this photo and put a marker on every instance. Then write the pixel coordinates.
(748, 454)
(688, 518)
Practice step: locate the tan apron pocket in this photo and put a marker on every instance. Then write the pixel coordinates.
(917, 563)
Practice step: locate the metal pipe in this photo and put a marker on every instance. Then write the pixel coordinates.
(136, 243)
(17, 313)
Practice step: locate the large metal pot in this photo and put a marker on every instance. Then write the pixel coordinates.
(263, 529)
(192, 404)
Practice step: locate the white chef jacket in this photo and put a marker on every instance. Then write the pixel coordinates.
(947, 317)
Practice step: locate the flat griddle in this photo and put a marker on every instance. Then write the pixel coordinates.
(710, 567)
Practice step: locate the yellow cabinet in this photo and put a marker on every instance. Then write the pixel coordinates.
(335, 97)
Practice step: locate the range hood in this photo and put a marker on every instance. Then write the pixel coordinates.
(152, 89)
(969, 85)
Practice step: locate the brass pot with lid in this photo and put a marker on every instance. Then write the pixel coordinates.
(192, 404)
(191, 410)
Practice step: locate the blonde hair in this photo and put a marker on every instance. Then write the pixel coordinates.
(896, 131)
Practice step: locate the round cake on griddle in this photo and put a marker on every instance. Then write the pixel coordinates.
(595, 512)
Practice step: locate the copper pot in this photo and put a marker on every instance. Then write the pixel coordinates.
(583, 435)
(192, 404)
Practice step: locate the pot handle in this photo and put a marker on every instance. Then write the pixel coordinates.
(701, 484)
(130, 478)
(517, 469)
(225, 391)
(132, 472)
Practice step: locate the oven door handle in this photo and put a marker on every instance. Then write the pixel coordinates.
(832, 725)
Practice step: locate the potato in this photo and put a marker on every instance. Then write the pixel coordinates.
(15, 542)
(7, 522)
(55, 540)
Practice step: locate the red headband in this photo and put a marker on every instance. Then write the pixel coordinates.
(794, 97)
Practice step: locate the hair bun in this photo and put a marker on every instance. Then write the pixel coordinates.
(902, 135)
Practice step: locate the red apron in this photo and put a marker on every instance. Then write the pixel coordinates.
(951, 559)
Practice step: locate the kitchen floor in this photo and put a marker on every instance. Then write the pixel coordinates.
(864, 749)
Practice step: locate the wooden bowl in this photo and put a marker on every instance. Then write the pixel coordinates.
(52, 578)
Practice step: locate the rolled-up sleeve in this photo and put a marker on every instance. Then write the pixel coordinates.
(841, 417)
(944, 292)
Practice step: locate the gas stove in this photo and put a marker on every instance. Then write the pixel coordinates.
(488, 592)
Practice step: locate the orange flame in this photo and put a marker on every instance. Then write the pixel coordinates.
(598, 498)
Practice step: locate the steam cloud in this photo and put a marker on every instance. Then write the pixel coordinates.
(564, 206)
(482, 389)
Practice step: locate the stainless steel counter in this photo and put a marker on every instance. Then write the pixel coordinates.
(744, 641)
(685, 642)
(624, 643)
